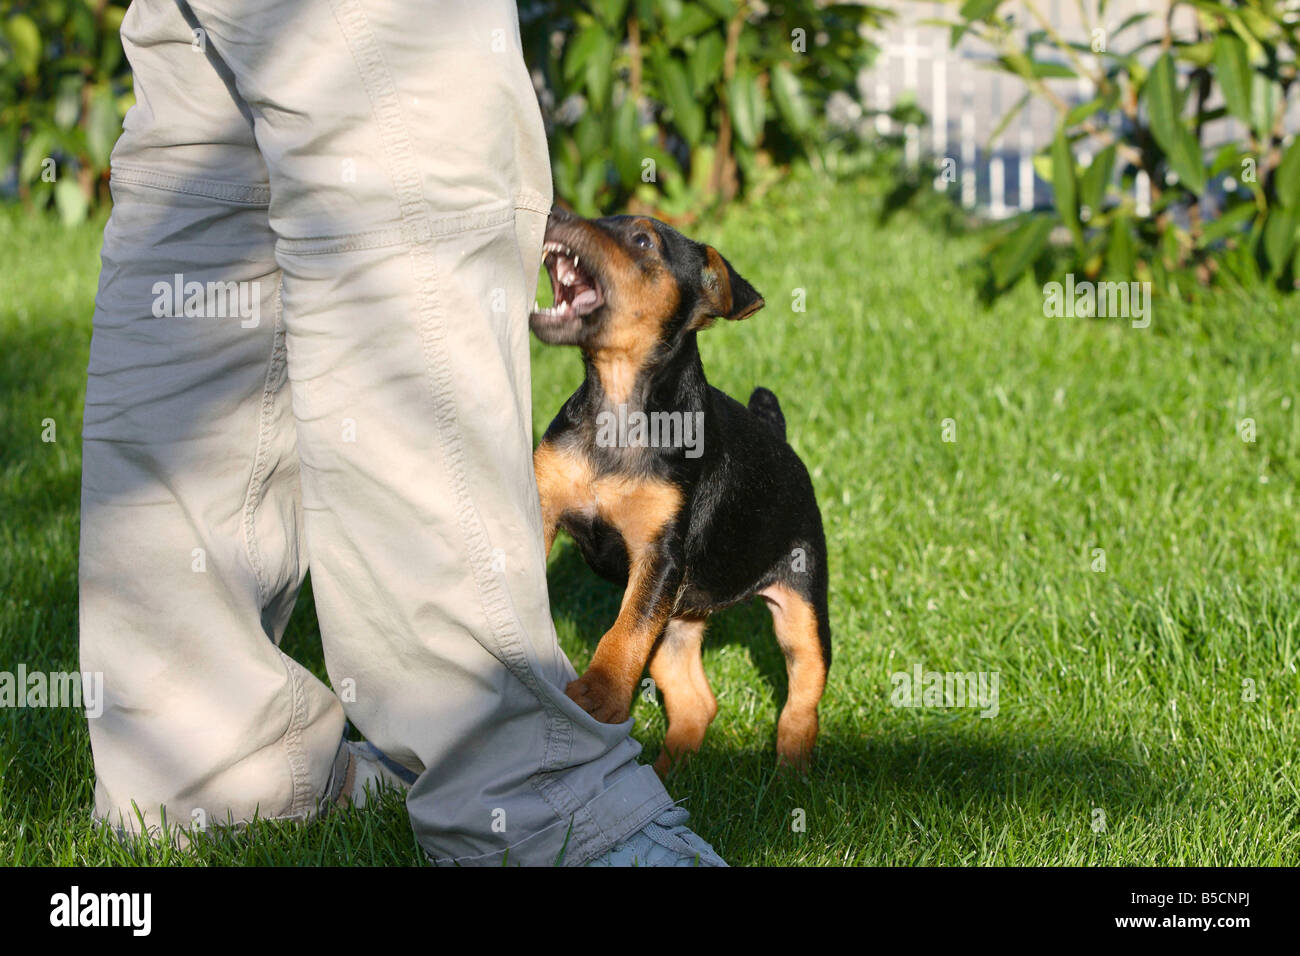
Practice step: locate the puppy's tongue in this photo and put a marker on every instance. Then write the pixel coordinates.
(585, 298)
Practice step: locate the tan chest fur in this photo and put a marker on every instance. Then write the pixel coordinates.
(638, 507)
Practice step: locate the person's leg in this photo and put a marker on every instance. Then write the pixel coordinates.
(409, 193)
(191, 523)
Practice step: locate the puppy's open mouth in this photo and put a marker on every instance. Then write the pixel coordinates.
(576, 291)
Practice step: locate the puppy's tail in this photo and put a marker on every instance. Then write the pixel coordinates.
(764, 404)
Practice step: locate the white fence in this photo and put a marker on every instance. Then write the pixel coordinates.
(965, 99)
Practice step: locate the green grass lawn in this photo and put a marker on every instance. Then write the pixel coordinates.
(1158, 695)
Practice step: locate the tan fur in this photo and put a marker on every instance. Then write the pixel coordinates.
(795, 622)
(641, 301)
(555, 471)
(678, 671)
(640, 508)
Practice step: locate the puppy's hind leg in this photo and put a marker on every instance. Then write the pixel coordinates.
(799, 624)
(678, 670)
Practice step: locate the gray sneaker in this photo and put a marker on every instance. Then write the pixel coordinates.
(362, 770)
(664, 841)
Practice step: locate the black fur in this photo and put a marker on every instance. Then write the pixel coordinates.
(749, 516)
(764, 404)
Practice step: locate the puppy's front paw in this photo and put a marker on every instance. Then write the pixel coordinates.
(599, 695)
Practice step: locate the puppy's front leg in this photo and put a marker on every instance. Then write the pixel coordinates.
(605, 690)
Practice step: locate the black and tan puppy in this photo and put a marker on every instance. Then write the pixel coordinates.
(669, 486)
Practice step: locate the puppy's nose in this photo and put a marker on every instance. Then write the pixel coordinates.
(560, 214)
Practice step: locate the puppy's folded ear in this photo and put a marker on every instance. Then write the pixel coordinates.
(726, 293)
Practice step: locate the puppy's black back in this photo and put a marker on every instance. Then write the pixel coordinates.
(752, 518)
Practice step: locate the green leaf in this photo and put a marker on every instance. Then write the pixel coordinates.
(70, 201)
(1065, 186)
(1043, 166)
(705, 62)
(1179, 145)
(701, 168)
(1020, 249)
(589, 56)
(591, 136)
(35, 151)
(626, 143)
(599, 78)
(1232, 70)
(1131, 20)
(669, 10)
(1170, 250)
(1255, 50)
(787, 90)
(564, 167)
(667, 173)
(1081, 112)
(693, 19)
(1228, 224)
(1228, 157)
(1286, 181)
(748, 112)
(1199, 55)
(1119, 253)
(584, 199)
(610, 12)
(1096, 179)
(591, 40)
(25, 39)
(102, 126)
(1010, 114)
(1024, 67)
(688, 117)
(1279, 238)
(1265, 100)
(41, 195)
(723, 8)
(67, 103)
(978, 9)
(1163, 102)
(113, 17)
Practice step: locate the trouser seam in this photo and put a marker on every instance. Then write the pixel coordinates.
(301, 795)
(406, 233)
(261, 456)
(378, 83)
(246, 194)
(300, 792)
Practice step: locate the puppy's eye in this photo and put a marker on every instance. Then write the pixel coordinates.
(643, 240)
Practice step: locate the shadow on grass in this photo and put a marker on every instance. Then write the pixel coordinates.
(941, 796)
(952, 758)
(946, 764)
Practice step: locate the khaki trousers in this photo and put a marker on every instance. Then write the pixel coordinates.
(311, 350)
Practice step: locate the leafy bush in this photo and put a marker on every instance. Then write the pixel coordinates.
(1229, 216)
(64, 88)
(665, 103)
(669, 104)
